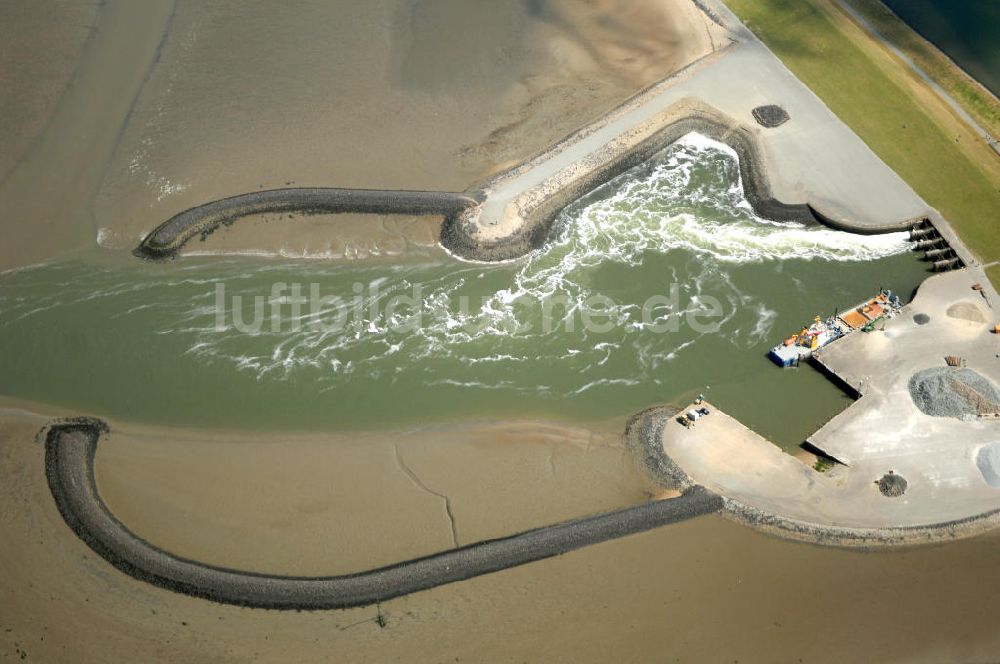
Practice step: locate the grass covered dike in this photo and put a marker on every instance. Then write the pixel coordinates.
(870, 94)
(973, 96)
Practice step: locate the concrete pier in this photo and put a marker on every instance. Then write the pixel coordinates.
(952, 489)
(885, 430)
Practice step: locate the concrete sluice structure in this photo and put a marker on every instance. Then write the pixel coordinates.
(70, 448)
(948, 462)
(926, 237)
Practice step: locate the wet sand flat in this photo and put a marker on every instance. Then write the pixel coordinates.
(335, 504)
(172, 104)
(47, 201)
(707, 589)
(408, 94)
(40, 43)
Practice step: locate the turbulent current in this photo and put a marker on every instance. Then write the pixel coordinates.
(658, 285)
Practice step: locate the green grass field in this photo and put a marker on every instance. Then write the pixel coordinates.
(884, 113)
(993, 273)
(976, 100)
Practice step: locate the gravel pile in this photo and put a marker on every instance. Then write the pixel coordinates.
(966, 311)
(770, 115)
(921, 319)
(948, 392)
(892, 485)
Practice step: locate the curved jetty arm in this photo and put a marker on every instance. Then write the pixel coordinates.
(69, 465)
(168, 238)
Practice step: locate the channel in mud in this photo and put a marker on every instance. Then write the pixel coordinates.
(596, 325)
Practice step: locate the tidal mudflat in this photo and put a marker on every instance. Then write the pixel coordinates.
(274, 446)
(726, 591)
(661, 285)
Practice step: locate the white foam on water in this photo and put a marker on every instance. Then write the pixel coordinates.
(689, 201)
(104, 237)
(667, 208)
(281, 253)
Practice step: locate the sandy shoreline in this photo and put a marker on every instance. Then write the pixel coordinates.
(40, 45)
(59, 600)
(70, 450)
(383, 110)
(324, 237)
(323, 504)
(47, 203)
(389, 113)
(461, 226)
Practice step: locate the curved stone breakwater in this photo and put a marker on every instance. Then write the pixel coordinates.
(170, 236)
(70, 448)
(483, 235)
(512, 213)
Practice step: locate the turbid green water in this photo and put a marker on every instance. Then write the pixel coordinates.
(661, 285)
(967, 30)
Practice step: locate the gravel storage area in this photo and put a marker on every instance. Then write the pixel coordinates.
(949, 392)
(966, 311)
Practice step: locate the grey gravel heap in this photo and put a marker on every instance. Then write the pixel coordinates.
(892, 485)
(952, 392)
(770, 116)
